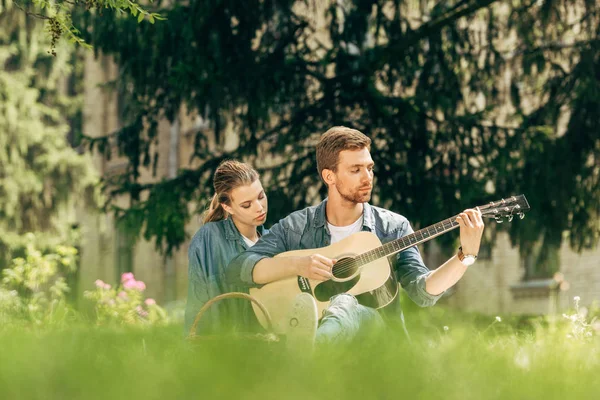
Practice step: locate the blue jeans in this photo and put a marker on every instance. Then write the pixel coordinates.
(345, 319)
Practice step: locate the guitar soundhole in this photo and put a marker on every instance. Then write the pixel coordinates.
(344, 268)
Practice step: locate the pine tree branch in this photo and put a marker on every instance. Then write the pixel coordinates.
(431, 27)
(29, 13)
(435, 26)
(555, 46)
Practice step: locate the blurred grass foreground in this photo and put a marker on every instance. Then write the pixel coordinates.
(125, 346)
(462, 359)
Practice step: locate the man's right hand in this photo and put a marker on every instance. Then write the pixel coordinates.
(316, 267)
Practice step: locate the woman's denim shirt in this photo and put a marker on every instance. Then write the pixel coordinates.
(307, 229)
(210, 251)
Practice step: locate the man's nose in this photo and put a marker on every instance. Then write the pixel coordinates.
(367, 176)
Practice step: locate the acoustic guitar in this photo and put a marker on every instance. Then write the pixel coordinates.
(363, 268)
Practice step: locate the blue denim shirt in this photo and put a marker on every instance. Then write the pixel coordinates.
(307, 229)
(210, 251)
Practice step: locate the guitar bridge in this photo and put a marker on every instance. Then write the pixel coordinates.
(304, 285)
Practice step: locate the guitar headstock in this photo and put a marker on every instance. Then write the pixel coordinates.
(506, 208)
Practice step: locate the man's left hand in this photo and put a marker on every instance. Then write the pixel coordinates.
(471, 230)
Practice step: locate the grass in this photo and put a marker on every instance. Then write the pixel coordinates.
(475, 358)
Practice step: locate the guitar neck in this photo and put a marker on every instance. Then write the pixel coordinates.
(398, 245)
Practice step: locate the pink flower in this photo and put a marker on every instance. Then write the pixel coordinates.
(123, 295)
(141, 312)
(100, 284)
(133, 284)
(127, 276)
(130, 284)
(150, 302)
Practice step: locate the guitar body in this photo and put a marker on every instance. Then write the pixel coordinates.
(362, 268)
(373, 284)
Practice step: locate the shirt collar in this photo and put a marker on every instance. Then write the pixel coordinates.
(368, 217)
(319, 219)
(232, 233)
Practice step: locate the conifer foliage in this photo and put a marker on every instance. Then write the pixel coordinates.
(41, 174)
(465, 100)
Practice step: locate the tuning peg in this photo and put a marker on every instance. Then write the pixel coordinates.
(521, 215)
(498, 219)
(509, 217)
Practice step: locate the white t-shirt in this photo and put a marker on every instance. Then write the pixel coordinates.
(341, 232)
(249, 242)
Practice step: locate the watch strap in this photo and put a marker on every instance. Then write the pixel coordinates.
(461, 255)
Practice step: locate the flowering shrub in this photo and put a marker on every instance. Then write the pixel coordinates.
(580, 328)
(125, 304)
(33, 288)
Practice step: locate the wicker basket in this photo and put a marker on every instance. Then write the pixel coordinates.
(269, 336)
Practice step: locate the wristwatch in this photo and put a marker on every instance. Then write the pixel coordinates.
(466, 259)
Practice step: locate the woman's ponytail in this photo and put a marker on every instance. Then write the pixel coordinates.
(215, 211)
(229, 175)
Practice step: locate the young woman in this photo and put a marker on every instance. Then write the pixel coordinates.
(232, 224)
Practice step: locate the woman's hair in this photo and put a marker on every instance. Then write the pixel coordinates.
(229, 175)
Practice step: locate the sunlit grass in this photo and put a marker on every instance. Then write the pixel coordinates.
(476, 357)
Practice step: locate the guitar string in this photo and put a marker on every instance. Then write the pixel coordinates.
(349, 263)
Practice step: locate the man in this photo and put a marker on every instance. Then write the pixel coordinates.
(344, 163)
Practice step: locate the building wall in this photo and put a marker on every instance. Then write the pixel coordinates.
(97, 248)
(165, 278)
(582, 272)
(495, 286)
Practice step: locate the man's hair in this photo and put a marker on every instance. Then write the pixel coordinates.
(336, 140)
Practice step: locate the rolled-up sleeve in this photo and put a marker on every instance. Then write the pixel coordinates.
(240, 269)
(412, 272)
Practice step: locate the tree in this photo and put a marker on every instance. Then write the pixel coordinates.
(58, 15)
(41, 175)
(466, 101)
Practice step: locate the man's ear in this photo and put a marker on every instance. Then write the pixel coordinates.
(228, 209)
(328, 176)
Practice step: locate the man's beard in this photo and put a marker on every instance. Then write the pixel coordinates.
(354, 197)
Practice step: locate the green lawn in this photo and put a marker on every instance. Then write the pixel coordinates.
(475, 358)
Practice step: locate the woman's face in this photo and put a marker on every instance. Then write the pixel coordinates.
(248, 204)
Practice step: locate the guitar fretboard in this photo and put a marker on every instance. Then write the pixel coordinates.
(398, 245)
